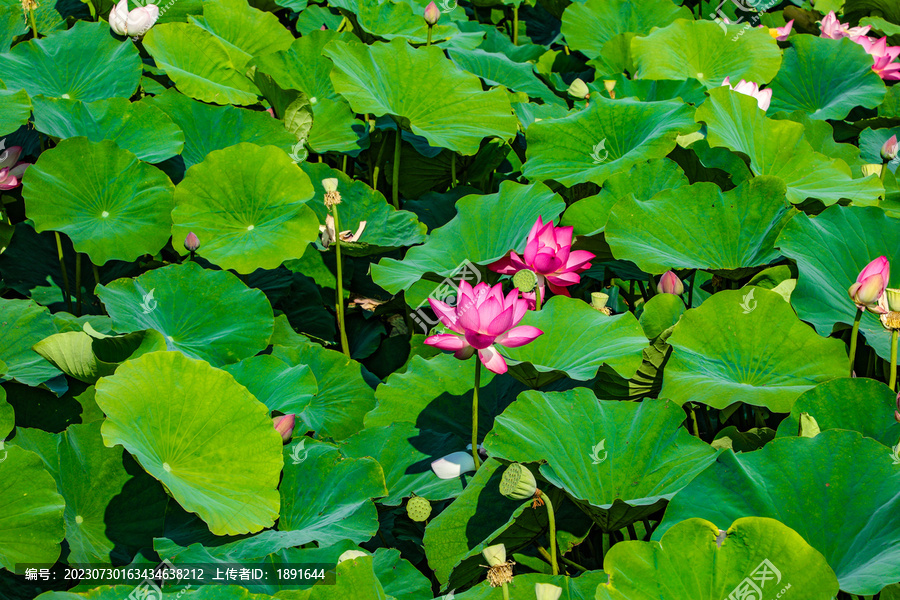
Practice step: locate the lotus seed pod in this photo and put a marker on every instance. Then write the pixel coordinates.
(579, 89)
(350, 555)
(547, 591)
(517, 482)
(525, 280)
(893, 299)
(418, 508)
(599, 300)
(330, 184)
(495, 555)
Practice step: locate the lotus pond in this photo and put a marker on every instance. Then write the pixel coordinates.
(476, 300)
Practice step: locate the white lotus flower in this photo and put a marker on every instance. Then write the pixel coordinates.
(453, 465)
(134, 23)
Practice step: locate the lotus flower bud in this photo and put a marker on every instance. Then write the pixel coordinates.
(897, 412)
(134, 23)
(867, 292)
(670, 284)
(432, 14)
(418, 508)
(285, 426)
(889, 149)
(870, 285)
(525, 280)
(547, 591)
(579, 89)
(518, 482)
(453, 465)
(871, 169)
(191, 242)
(350, 555)
(610, 85)
(495, 555)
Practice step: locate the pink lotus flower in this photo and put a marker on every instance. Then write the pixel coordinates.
(670, 284)
(834, 29)
(432, 14)
(748, 88)
(781, 33)
(284, 425)
(870, 285)
(11, 171)
(889, 149)
(548, 252)
(483, 317)
(883, 55)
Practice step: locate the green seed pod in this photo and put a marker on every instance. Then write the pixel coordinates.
(518, 483)
(418, 508)
(525, 280)
(495, 555)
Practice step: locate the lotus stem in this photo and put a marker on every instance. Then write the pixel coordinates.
(631, 532)
(453, 170)
(65, 276)
(34, 29)
(690, 297)
(552, 518)
(515, 36)
(345, 347)
(883, 172)
(78, 283)
(96, 276)
(378, 162)
(395, 192)
(537, 294)
(853, 336)
(653, 287)
(428, 41)
(893, 376)
(572, 563)
(475, 413)
(694, 419)
(505, 591)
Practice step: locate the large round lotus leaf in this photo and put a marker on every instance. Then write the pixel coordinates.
(398, 576)
(699, 50)
(644, 180)
(276, 384)
(202, 434)
(485, 228)
(109, 203)
(622, 462)
(22, 325)
(208, 128)
(198, 592)
(31, 511)
(481, 516)
(344, 397)
(780, 148)
(607, 137)
(740, 226)
(256, 218)
(244, 31)
(858, 404)
(748, 346)
(451, 112)
(755, 558)
(15, 110)
(830, 250)
(572, 329)
(83, 63)
(386, 227)
(403, 19)
(406, 453)
(838, 490)
(205, 314)
(137, 127)
(496, 69)
(589, 25)
(199, 64)
(825, 78)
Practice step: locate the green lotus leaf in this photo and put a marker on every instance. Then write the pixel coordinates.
(485, 228)
(406, 453)
(344, 397)
(571, 328)
(83, 63)
(747, 346)
(830, 250)
(72, 353)
(256, 218)
(7, 415)
(838, 490)
(857, 9)
(479, 517)
(587, 26)
(137, 127)
(122, 592)
(273, 382)
(22, 325)
(858, 404)
(496, 69)
(31, 511)
(740, 226)
(386, 227)
(12, 24)
(732, 438)
(624, 461)
(15, 109)
(660, 314)
(209, 128)
(199, 64)
(243, 30)
(400, 579)
(452, 113)
(403, 19)
(701, 50)
(644, 180)
(696, 559)
(582, 587)
(198, 431)
(119, 348)
(607, 137)
(826, 78)
(209, 315)
(779, 148)
(109, 203)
